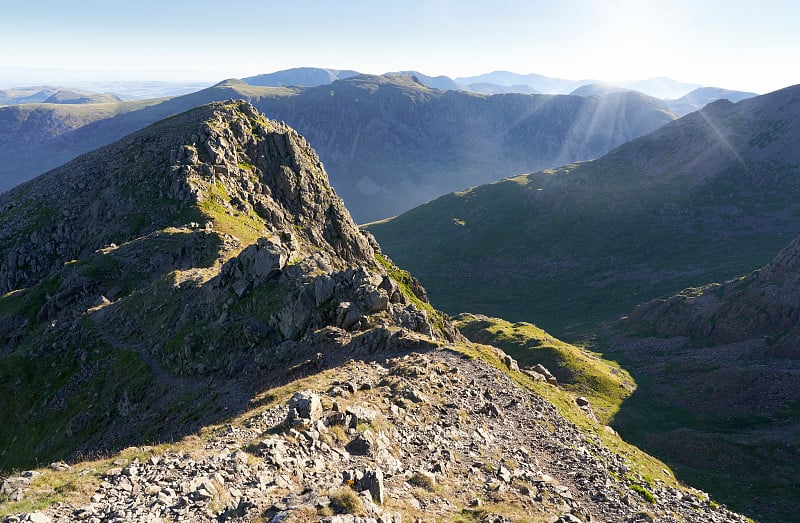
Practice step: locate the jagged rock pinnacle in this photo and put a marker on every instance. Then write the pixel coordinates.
(209, 244)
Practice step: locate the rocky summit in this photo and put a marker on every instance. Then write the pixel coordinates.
(194, 329)
(210, 247)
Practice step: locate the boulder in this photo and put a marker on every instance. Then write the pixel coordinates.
(373, 482)
(510, 362)
(324, 287)
(305, 405)
(543, 372)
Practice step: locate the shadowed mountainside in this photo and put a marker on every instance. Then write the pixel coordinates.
(704, 198)
(718, 369)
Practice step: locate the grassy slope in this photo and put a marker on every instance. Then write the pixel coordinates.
(577, 245)
(604, 383)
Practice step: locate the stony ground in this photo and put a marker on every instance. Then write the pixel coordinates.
(424, 437)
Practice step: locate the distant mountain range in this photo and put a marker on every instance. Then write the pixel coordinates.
(507, 82)
(682, 106)
(444, 83)
(53, 95)
(704, 198)
(681, 97)
(541, 83)
(300, 76)
(657, 87)
(382, 137)
(703, 96)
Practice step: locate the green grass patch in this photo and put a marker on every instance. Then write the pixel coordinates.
(582, 372)
(642, 491)
(54, 399)
(26, 303)
(246, 227)
(346, 501)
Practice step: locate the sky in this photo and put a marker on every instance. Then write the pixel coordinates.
(737, 44)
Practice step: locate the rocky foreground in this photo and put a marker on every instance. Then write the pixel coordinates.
(440, 436)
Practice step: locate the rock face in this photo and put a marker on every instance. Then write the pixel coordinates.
(764, 305)
(210, 244)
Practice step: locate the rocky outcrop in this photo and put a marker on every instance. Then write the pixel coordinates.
(762, 306)
(210, 244)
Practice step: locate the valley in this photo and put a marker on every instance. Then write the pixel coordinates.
(706, 198)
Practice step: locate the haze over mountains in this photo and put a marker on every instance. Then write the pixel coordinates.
(374, 180)
(490, 83)
(382, 137)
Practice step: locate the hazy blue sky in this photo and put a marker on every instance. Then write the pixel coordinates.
(744, 44)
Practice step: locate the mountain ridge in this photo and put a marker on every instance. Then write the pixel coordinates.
(171, 226)
(467, 138)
